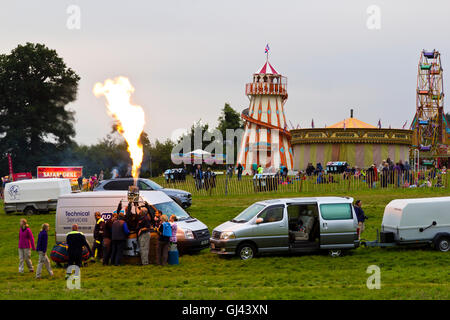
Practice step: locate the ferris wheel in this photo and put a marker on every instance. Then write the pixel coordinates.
(429, 103)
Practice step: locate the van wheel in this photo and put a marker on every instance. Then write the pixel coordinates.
(335, 253)
(443, 244)
(246, 251)
(29, 211)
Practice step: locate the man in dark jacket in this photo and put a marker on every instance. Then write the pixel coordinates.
(143, 231)
(80, 182)
(75, 242)
(107, 239)
(198, 177)
(240, 168)
(98, 235)
(119, 238)
(360, 216)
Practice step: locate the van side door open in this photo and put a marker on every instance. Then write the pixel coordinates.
(272, 233)
(337, 225)
(303, 225)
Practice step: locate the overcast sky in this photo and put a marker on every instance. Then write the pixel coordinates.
(186, 58)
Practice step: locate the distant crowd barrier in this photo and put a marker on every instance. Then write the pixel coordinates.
(344, 182)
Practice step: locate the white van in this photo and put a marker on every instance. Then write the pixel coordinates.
(423, 220)
(79, 208)
(34, 195)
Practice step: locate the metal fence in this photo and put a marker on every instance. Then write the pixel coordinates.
(226, 185)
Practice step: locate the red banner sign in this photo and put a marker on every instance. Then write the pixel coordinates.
(22, 176)
(72, 173)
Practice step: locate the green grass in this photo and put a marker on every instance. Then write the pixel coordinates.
(412, 273)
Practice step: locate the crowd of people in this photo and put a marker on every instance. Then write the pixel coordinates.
(110, 238)
(88, 184)
(386, 173)
(204, 179)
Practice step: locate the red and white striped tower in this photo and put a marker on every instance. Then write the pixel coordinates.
(266, 140)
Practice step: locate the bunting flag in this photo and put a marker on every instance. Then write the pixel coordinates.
(312, 123)
(404, 125)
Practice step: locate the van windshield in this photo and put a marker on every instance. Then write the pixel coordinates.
(153, 184)
(170, 208)
(249, 213)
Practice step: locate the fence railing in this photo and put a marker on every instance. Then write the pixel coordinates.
(226, 185)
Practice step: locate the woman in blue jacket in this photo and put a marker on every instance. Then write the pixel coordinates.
(42, 251)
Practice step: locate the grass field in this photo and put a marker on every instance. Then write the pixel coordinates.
(413, 273)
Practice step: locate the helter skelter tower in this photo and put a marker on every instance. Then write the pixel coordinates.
(429, 124)
(266, 140)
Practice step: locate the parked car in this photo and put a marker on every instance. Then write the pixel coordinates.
(34, 195)
(417, 221)
(183, 198)
(336, 166)
(289, 226)
(79, 208)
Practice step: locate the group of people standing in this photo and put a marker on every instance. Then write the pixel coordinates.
(26, 244)
(110, 238)
(204, 179)
(90, 183)
(388, 172)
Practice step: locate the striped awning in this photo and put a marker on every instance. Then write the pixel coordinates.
(267, 69)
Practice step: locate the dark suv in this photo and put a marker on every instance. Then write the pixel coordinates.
(183, 198)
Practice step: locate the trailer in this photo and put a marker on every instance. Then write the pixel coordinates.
(35, 195)
(422, 221)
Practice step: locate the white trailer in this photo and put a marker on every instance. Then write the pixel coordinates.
(416, 221)
(34, 195)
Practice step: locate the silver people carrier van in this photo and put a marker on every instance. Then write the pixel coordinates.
(289, 225)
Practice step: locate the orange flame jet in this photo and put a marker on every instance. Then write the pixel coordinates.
(130, 118)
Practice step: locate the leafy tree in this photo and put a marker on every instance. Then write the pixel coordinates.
(35, 88)
(160, 157)
(229, 119)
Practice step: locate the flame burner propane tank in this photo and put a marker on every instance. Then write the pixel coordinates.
(133, 193)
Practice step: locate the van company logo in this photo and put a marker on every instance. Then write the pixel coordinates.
(77, 213)
(14, 192)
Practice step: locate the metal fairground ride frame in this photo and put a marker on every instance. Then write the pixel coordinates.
(429, 125)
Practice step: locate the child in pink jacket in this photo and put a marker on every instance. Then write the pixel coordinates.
(26, 243)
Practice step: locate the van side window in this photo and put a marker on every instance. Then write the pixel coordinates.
(272, 214)
(336, 211)
(144, 186)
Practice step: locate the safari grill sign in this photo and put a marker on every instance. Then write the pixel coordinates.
(72, 173)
